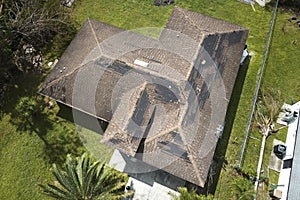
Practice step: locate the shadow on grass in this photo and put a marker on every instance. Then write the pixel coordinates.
(61, 142)
(25, 107)
(221, 148)
(30, 115)
(58, 138)
(39, 124)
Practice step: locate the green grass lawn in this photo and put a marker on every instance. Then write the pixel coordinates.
(91, 140)
(281, 73)
(26, 155)
(25, 159)
(22, 163)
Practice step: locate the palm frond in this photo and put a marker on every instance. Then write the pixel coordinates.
(268, 108)
(61, 178)
(55, 192)
(85, 178)
(73, 176)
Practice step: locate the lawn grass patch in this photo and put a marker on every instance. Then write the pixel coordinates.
(281, 73)
(26, 155)
(91, 140)
(130, 14)
(22, 164)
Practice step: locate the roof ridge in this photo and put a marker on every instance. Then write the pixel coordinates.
(190, 156)
(94, 34)
(51, 83)
(184, 10)
(160, 134)
(190, 20)
(81, 65)
(224, 32)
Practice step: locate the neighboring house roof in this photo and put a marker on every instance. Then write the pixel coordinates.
(152, 115)
(293, 188)
(289, 179)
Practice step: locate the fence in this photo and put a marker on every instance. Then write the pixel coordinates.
(262, 67)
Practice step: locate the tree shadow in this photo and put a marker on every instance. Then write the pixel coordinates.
(25, 107)
(38, 119)
(58, 138)
(30, 115)
(290, 6)
(61, 142)
(220, 152)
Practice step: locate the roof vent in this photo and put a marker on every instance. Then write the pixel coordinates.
(141, 63)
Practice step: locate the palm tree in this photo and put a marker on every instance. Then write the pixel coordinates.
(268, 107)
(86, 179)
(184, 194)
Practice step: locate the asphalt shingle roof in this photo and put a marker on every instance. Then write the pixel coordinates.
(153, 115)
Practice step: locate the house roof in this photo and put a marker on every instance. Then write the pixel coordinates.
(196, 25)
(159, 113)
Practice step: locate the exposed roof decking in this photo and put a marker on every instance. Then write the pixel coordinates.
(222, 40)
(224, 50)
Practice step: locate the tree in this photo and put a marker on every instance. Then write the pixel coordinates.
(30, 29)
(5, 54)
(5, 42)
(86, 179)
(294, 4)
(25, 112)
(268, 107)
(31, 25)
(184, 194)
